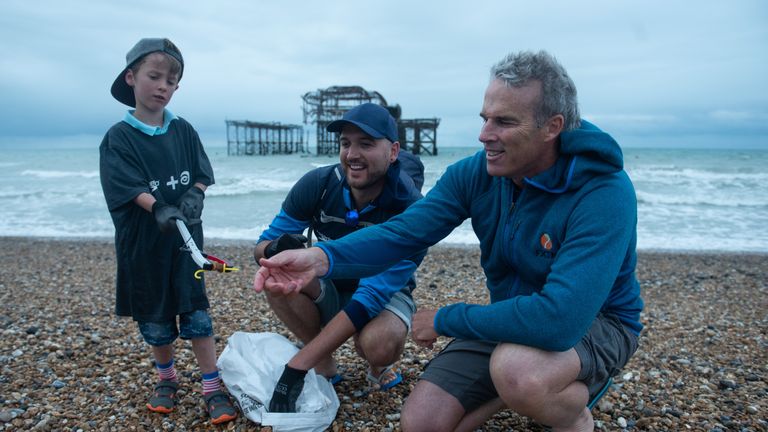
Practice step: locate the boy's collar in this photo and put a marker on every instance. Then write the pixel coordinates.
(147, 129)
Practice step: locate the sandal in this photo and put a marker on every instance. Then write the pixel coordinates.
(163, 398)
(335, 379)
(220, 407)
(387, 379)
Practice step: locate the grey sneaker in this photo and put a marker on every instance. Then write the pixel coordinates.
(220, 407)
(163, 398)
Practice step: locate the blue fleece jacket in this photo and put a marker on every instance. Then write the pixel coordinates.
(556, 256)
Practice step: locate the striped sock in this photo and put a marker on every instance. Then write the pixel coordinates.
(211, 382)
(166, 371)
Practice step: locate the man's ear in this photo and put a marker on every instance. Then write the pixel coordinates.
(394, 151)
(553, 127)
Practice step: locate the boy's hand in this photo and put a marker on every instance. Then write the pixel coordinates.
(165, 216)
(287, 390)
(284, 242)
(191, 204)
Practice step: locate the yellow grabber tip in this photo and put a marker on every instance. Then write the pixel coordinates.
(225, 269)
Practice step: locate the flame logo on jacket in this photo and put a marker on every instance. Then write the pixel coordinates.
(546, 241)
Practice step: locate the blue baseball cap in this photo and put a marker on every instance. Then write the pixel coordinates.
(371, 118)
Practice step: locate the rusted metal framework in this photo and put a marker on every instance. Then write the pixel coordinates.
(419, 136)
(326, 105)
(322, 107)
(251, 138)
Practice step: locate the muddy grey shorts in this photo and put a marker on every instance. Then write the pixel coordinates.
(331, 301)
(462, 367)
(192, 325)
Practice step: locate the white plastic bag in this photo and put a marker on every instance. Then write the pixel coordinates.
(250, 366)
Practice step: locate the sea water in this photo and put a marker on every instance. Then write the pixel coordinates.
(688, 199)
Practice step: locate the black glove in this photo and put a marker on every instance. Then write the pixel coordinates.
(287, 390)
(191, 204)
(284, 242)
(165, 215)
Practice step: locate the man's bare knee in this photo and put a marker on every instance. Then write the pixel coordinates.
(383, 353)
(382, 341)
(417, 422)
(382, 349)
(430, 408)
(278, 301)
(273, 298)
(514, 375)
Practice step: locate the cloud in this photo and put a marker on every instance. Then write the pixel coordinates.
(635, 119)
(728, 116)
(690, 68)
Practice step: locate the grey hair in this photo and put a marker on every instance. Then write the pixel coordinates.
(558, 92)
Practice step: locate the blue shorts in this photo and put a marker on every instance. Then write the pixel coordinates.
(192, 325)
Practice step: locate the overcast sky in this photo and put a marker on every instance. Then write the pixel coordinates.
(649, 72)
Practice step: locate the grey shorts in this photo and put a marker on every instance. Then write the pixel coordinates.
(331, 301)
(192, 325)
(462, 367)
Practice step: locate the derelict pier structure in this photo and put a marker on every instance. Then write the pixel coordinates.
(257, 138)
(326, 105)
(320, 107)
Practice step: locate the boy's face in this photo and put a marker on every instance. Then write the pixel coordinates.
(153, 83)
(365, 159)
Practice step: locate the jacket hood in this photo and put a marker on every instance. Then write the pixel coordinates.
(585, 153)
(399, 191)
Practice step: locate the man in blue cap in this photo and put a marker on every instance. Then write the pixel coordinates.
(365, 188)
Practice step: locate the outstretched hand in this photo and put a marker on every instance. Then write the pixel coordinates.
(290, 271)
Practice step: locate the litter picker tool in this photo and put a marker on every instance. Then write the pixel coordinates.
(204, 261)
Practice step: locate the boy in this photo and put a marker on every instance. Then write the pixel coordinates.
(153, 171)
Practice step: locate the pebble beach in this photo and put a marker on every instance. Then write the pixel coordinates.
(67, 363)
